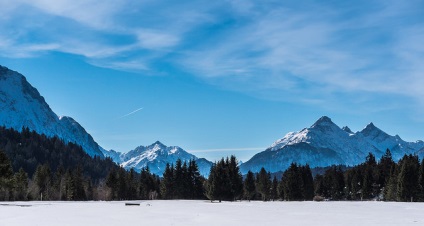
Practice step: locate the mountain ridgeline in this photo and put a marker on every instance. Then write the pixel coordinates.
(21, 105)
(156, 156)
(321, 145)
(325, 144)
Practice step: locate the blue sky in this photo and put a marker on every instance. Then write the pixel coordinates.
(220, 77)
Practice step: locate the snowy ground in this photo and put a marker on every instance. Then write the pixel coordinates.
(206, 213)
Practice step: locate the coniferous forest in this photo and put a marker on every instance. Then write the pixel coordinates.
(35, 167)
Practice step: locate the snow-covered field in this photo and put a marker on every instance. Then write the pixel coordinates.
(205, 213)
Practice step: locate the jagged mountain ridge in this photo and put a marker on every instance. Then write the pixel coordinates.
(156, 156)
(21, 105)
(325, 144)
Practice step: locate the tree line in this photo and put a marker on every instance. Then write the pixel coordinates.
(35, 167)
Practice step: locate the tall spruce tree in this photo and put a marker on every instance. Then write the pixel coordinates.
(263, 184)
(20, 185)
(421, 181)
(249, 186)
(196, 181)
(408, 186)
(167, 183)
(292, 183)
(6, 176)
(274, 189)
(236, 178)
(307, 182)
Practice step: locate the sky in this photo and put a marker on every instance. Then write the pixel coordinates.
(220, 77)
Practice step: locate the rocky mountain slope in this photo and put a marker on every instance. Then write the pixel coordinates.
(156, 156)
(21, 105)
(325, 143)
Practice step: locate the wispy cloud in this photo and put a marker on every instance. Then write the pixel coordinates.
(315, 52)
(133, 112)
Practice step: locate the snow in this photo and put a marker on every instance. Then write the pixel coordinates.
(22, 106)
(155, 156)
(178, 212)
(325, 143)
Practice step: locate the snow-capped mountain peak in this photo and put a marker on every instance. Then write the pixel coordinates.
(325, 144)
(156, 156)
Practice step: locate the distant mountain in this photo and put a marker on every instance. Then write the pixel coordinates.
(21, 105)
(156, 156)
(325, 144)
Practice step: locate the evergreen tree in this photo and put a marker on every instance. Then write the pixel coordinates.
(319, 186)
(112, 183)
(131, 182)
(196, 180)
(235, 177)
(78, 180)
(70, 186)
(421, 181)
(307, 182)
(211, 191)
(390, 191)
(385, 165)
(408, 186)
(178, 179)
(167, 183)
(42, 179)
(274, 189)
(20, 185)
(6, 176)
(249, 186)
(263, 184)
(334, 182)
(292, 183)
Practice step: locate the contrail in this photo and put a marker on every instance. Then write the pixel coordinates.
(133, 112)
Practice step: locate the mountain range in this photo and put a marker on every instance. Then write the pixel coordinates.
(21, 105)
(325, 143)
(156, 156)
(322, 144)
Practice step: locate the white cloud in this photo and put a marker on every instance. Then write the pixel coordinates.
(309, 51)
(152, 39)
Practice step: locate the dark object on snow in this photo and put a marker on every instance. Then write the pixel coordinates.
(132, 204)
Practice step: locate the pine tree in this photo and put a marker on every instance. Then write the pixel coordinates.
(334, 182)
(78, 185)
(20, 185)
(249, 185)
(307, 182)
(196, 180)
(178, 179)
(274, 189)
(42, 179)
(211, 191)
(167, 183)
(236, 178)
(408, 186)
(385, 165)
(70, 186)
(421, 181)
(112, 183)
(390, 191)
(292, 183)
(263, 184)
(6, 176)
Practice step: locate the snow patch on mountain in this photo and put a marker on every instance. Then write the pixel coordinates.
(325, 144)
(156, 156)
